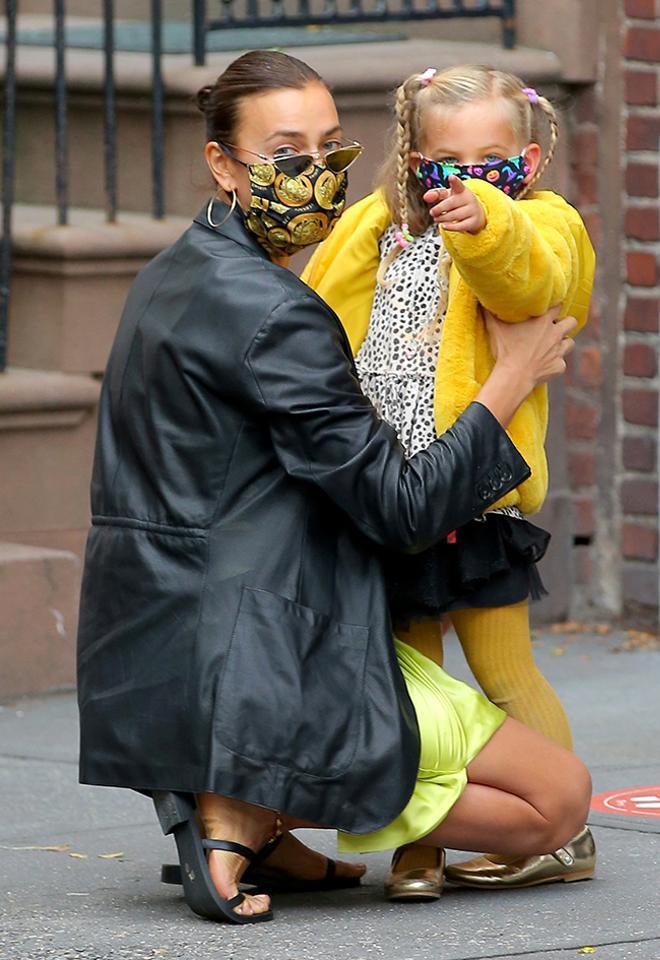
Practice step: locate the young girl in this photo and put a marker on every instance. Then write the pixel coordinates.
(411, 297)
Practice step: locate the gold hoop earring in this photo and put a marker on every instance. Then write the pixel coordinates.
(209, 210)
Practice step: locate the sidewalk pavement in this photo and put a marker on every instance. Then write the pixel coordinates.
(82, 903)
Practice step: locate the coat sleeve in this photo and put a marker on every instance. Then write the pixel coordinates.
(343, 269)
(531, 255)
(326, 432)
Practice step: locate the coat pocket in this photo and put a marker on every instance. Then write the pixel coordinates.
(292, 689)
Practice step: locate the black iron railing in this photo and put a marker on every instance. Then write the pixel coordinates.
(8, 151)
(278, 13)
(234, 14)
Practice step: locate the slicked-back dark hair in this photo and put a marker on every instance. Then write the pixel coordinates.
(255, 72)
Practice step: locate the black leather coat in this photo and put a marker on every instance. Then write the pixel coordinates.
(234, 632)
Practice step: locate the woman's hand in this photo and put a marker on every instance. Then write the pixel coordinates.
(456, 209)
(537, 346)
(526, 354)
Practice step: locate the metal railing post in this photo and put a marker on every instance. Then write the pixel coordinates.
(8, 145)
(199, 32)
(61, 131)
(109, 112)
(509, 25)
(157, 127)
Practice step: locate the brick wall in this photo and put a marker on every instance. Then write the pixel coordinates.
(583, 411)
(639, 339)
(612, 393)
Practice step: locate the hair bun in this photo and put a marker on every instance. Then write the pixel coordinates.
(202, 97)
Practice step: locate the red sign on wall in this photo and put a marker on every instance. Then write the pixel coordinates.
(633, 802)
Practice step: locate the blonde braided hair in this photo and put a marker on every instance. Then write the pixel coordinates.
(402, 111)
(451, 88)
(544, 105)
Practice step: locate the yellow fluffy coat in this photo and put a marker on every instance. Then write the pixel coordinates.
(531, 254)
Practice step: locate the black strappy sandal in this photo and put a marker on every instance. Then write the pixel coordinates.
(176, 813)
(273, 879)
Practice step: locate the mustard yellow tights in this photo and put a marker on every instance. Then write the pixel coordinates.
(497, 645)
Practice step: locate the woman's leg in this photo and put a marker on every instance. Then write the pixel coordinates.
(417, 871)
(525, 796)
(226, 819)
(498, 648)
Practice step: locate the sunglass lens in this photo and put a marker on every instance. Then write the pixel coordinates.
(341, 159)
(294, 166)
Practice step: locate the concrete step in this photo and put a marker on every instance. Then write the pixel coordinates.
(39, 599)
(69, 283)
(47, 431)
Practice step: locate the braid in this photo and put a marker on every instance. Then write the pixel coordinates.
(402, 107)
(403, 154)
(551, 116)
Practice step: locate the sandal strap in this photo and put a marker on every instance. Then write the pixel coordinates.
(266, 850)
(235, 901)
(231, 846)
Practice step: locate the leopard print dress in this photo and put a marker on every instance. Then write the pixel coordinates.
(397, 361)
(492, 560)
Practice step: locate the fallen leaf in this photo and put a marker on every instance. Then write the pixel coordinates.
(637, 640)
(79, 856)
(110, 856)
(159, 951)
(558, 651)
(569, 626)
(61, 848)
(587, 950)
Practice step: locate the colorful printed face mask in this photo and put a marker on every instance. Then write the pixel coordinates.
(289, 213)
(507, 175)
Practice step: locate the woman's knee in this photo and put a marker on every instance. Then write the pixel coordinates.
(567, 810)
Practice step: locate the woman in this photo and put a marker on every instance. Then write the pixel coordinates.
(235, 643)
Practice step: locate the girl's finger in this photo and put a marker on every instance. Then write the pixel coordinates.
(456, 185)
(459, 224)
(453, 203)
(462, 227)
(435, 196)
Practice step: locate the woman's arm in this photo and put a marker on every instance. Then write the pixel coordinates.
(326, 432)
(530, 255)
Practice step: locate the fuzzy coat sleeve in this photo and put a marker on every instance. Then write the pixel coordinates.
(531, 255)
(344, 267)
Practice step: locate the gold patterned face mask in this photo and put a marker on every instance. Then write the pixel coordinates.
(289, 213)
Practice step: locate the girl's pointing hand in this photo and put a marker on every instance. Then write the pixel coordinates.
(457, 208)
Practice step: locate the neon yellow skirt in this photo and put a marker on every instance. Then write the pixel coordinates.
(454, 724)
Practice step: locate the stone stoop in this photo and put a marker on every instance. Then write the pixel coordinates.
(47, 430)
(38, 599)
(69, 283)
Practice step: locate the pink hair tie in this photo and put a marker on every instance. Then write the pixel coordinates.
(531, 94)
(403, 236)
(426, 77)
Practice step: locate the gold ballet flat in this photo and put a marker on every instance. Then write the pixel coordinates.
(575, 861)
(417, 873)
